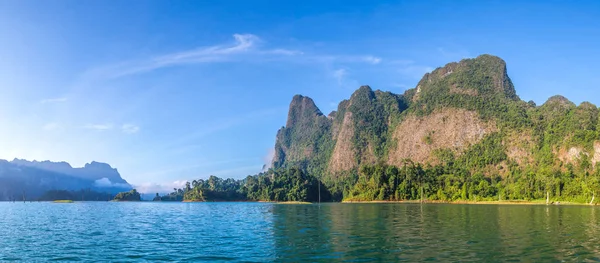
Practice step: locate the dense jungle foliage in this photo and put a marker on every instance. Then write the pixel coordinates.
(532, 152)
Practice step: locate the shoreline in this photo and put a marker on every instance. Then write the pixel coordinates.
(247, 201)
(507, 202)
(470, 202)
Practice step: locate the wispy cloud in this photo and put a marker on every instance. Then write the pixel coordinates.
(178, 169)
(54, 100)
(52, 126)
(161, 188)
(268, 159)
(239, 172)
(130, 128)
(372, 59)
(343, 79)
(281, 51)
(339, 59)
(243, 44)
(223, 124)
(99, 127)
(105, 182)
(339, 75)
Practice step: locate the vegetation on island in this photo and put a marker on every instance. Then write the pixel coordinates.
(462, 134)
(81, 195)
(448, 182)
(64, 201)
(132, 195)
(282, 185)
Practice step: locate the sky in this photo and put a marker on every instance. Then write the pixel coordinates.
(169, 91)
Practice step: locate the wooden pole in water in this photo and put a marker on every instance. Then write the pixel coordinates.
(319, 182)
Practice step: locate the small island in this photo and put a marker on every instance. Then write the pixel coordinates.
(131, 196)
(63, 201)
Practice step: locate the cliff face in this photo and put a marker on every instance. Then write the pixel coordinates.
(456, 109)
(303, 141)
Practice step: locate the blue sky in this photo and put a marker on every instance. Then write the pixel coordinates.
(171, 91)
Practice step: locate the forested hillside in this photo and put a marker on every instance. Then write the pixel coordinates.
(461, 134)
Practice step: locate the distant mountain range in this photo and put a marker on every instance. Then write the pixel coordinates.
(30, 179)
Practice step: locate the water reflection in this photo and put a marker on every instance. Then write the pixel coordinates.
(260, 232)
(414, 232)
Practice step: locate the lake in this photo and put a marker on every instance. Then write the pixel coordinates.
(264, 232)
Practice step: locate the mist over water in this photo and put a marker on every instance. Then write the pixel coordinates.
(264, 232)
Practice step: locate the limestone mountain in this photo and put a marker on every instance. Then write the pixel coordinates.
(465, 111)
(31, 179)
(90, 171)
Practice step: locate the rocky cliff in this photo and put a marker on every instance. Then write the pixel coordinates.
(467, 109)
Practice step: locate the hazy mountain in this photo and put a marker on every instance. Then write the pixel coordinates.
(31, 179)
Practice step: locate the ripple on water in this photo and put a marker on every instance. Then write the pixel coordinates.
(262, 232)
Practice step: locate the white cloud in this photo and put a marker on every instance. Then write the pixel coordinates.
(52, 126)
(105, 182)
(344, 59)
(243, 44)
(54, 100)
(99, 127)
(238, 171)
(339, 75)
(342, 79)
(130, 128)
(268, 159)
(288, 52)
(161, 188)
(181, 169)
(373, 60)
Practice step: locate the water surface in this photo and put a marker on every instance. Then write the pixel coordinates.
(264, 232)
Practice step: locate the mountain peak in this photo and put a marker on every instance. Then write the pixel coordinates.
(302, 109)
(559, 100)
(485, 75)
(364, 91)
(91, 171)
(47, 165)
(97, 165)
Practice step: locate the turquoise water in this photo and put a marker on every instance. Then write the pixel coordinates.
(263, 232)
